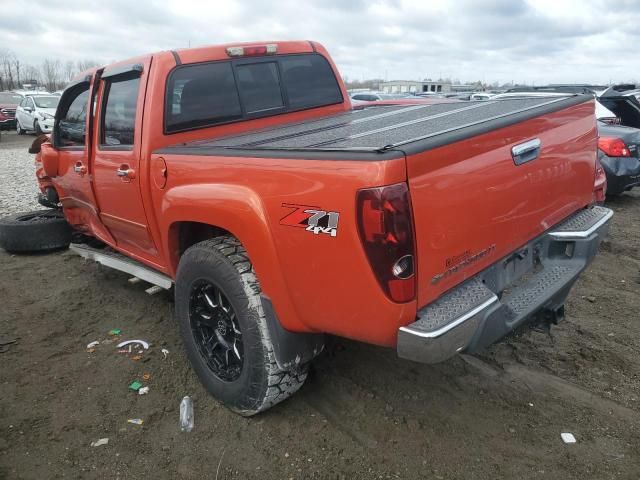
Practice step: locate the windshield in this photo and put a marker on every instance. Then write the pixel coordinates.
(10, 98)
(46, 102)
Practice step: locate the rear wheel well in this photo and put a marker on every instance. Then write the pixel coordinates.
(185, 234)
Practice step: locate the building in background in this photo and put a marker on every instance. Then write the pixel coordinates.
(426, 86)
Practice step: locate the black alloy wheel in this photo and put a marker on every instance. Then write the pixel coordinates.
(216, 330)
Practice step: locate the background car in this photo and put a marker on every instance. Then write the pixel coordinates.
(619, 155)
(8, 103)
(377, 96)
(481, 96)
(36, 113)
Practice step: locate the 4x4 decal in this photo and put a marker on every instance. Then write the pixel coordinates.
(312, 219)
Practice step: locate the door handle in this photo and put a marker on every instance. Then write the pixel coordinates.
(80, 168)
(526, 152)
(125, 172)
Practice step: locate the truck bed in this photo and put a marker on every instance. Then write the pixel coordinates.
(384, 128)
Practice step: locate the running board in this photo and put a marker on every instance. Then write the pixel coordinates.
(125, 264)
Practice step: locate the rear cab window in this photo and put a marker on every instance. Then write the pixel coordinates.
(213, 93)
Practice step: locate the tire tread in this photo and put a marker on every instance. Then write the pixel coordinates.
(281, 384)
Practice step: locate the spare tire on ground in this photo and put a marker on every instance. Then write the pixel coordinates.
(37, 231)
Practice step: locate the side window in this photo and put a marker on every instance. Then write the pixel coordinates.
(73, 123)
(259, 87)
(23, 103)
(119, 113)
(201, 95)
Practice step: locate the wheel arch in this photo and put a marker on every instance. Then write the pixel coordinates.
(193, 213)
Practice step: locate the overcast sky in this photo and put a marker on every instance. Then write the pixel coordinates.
(539, 41)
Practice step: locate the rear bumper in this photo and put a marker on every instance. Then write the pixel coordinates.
(623, 173)
(535, 279)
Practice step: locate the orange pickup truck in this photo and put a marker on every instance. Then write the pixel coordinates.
(241, 176)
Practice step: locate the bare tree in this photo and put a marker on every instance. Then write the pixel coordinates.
(6, 71)
(16, 66)
(51, 73)
(86, 64)
(69, 71)
(32, 75)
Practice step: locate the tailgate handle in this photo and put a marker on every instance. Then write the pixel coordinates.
(526, 152)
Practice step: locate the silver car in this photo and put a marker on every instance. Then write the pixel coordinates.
(36, 114)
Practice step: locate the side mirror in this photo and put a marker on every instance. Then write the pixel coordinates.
(49, 157)
(28, 109)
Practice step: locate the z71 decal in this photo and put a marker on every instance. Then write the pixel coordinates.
(312, 219)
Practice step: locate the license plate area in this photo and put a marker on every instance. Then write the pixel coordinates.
(516, 267)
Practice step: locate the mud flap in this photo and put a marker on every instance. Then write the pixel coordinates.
(290, 348)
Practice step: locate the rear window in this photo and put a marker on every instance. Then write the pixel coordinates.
(212, 93)
(259, 86)
(46, 102)
(309, 81)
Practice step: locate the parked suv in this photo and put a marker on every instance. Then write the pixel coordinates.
(8, 103)
(36, 113)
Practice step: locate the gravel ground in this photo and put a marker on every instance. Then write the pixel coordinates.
(18, 186)
(362, 414)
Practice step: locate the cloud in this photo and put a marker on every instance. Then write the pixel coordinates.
(540, 41)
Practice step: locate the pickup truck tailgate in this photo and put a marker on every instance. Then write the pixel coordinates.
(474, 201)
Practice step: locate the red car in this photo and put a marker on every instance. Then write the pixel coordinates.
(240, 176)
(8, 104)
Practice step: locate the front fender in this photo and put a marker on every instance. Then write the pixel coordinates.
(240, 211)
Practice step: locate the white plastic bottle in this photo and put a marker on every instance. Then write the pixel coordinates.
(186, 414)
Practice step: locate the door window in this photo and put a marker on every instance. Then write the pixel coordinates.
(119, 114)
(72, 125)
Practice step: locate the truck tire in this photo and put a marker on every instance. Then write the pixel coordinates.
(37, 231)
(224, 328)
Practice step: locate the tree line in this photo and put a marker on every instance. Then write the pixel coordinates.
(52, 74)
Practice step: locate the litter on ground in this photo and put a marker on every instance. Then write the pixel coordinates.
(102, 441)
(144, 344)
(135, 386)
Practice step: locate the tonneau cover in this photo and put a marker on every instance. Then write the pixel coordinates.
(384, 127)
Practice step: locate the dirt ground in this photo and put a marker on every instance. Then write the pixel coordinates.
(363, 413)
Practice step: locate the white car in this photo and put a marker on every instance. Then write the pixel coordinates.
(481, 96)
(36, 114)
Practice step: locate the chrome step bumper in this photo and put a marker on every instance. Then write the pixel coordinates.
(487, 307)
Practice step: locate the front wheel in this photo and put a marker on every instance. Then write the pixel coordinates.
(19, 129)
(223, 325)
(37, 129)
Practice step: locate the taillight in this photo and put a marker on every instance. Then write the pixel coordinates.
(385, 225)
(613, 146)
(253, 51)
